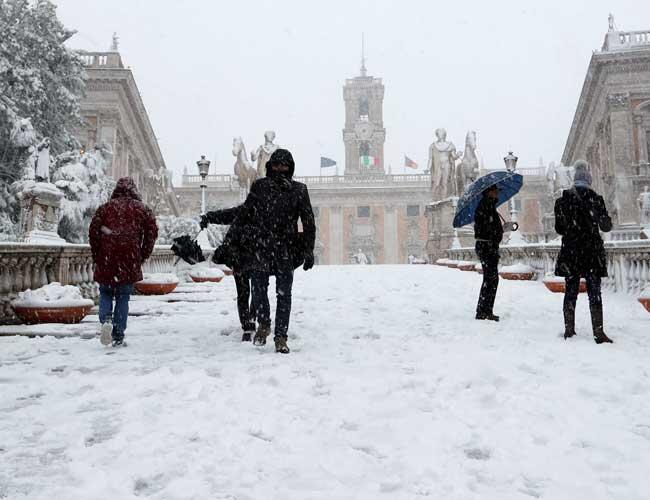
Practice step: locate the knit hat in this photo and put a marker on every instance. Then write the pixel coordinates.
(581, 175)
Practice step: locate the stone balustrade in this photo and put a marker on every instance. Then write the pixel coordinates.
(628, 262)
(25, 267)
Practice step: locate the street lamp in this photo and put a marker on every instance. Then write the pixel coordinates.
(515, 236)
(204, 168)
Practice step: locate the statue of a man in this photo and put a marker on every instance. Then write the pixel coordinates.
(43, 161)
(264, 152)
(361, 258)
(442, 165)
(644, 206)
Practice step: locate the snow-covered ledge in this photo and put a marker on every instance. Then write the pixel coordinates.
(628, 262)
(30, 266)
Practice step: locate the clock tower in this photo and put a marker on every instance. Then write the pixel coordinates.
(364, 133)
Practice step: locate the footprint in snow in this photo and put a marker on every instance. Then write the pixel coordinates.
(478, 453)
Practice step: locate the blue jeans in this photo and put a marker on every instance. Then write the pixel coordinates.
(121, 294)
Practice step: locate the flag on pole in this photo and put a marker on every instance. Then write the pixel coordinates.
(409, 163)
(326, 162)
(368, 161)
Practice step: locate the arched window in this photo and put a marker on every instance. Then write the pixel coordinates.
(364, 108)
(364, 148)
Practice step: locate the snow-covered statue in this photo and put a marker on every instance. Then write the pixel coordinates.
(442, 165)
(43, 161)
(644, 206)
(468, 170)
(23, 141)
(361, 257)
(264, 152)
(559, 177)
(244, 171)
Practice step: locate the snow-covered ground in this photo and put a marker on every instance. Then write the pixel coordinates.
(392, 390)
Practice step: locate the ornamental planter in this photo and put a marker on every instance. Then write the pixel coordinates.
(206, 279)
(32, 315)
(478, 268)
(558, 285)
(441, 262)
(466, 266)
(645, 302)
(453, 264)
(517, 272)
(147, 288)
(227, 271)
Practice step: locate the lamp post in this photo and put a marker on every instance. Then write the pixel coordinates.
(515, 236)
(204, 168)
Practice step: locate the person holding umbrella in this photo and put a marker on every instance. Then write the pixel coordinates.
(580, 215)
(479, 204)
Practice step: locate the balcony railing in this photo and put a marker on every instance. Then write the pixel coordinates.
(622, 40)
(628, 262)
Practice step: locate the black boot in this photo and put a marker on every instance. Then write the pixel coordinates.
(263, 331)
(569, 322)
(597, 325)
(487, 316)
(281, 345)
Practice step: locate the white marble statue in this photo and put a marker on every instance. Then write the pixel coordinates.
(244, 171)
(468, 170)
(644, 206)
(262, 154)
(361, 258)
(442, 165)
(559, 177)
(43, 161)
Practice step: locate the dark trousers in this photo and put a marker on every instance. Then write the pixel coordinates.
(283, 284)
(245, 306)
(595, 302)
(488, 254)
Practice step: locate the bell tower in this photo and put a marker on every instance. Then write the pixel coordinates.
(364, 133)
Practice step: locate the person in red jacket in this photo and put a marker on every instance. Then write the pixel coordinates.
(122, 236)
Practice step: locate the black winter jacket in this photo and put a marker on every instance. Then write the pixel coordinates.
(264, 232)
(487, 223)
(580, 215)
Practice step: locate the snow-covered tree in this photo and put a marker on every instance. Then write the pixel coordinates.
(41, 82)
(170, 227)
(82, 179)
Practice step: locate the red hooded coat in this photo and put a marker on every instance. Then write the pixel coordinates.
(122, 236)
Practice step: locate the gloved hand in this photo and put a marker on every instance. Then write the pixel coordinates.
(309, 261)
(510, 226)
(204, 221)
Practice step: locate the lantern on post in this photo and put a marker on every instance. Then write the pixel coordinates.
(515, 236)
(204, 169)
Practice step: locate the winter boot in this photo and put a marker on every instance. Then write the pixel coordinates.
(281, 345)
(106, 332)
(263, 331)
(598, 327)
(487, 316)
(247, 336)
(569, 321)
(119, 343)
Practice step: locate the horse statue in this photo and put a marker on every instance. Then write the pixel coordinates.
(467, 171)
(244, 171)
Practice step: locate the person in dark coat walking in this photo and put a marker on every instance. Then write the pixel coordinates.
(241, 272)
(488, 233)
(122, 235)
(580, 215)
(267, 242)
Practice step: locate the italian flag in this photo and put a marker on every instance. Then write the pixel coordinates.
(368, 161)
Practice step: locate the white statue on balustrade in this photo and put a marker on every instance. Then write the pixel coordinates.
(644, 207)
(442, 166)
(264, 152)
(467, 172)
(244, 171)
(361, 258)
(559, 177)
(42, 170)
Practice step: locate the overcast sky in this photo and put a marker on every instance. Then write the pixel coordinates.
(212, 70)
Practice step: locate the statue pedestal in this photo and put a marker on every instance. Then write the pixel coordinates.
(442, 236)
(40, 207)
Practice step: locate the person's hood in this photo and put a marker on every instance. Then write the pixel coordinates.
(126, 188)
(281, 157)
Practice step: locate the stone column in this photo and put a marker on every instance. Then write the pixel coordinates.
(622, 147)
(336, 235)
(391, 237)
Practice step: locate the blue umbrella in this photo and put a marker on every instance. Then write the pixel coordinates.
(509, 184)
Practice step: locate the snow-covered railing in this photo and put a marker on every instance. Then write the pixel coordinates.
(628, 262)
(25, 267)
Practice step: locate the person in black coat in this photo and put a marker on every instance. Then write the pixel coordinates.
(488, 233)
(580, 215)
(265, 242)
(241, 272)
